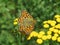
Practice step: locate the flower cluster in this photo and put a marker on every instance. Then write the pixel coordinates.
(41, 36)
(15, 21)
(53, 32)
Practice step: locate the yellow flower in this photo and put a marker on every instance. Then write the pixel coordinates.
(53, 23)
(42, 32)
(51, 29)
(49, 32)
(39, 41)
(54, 38)
(29, 38)
(40, 35)
(57, 16)
(57, 26)
(36, 34)
(58, 19)
(46, 26)
(58, 39)
(15, 23)
(49, 21)
(16, 20)
(59, 32)
(33, 34)
(55, 31)
(49, 36)
(44, 22)
(44, 37)
(56, 35)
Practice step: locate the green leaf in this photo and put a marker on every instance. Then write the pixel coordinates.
(46, 42)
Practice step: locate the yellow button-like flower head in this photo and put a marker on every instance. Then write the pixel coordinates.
(45, 22)
(58, 19)
(16, 20)
(44, 37)
(58, 39)
(59, 32)
(56, 35)
(53, 23)
(49, 21)
(57, 26)
(54, 38)
(51, 29)
(29, 38)
(57, 16)
(49, 32)
(49, 36)
(42, 32)
(33, 34)
(39, 41)
(46, 25)
(15, 23)
(40, 35)
(55, 31)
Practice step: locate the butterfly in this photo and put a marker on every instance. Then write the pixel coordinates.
(26, 23)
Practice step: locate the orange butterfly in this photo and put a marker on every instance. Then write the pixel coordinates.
(26, 22)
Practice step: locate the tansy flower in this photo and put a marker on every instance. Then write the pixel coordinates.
(44, 22)
(49, 21)
(39, 41)
(53, 23)
(36, 34)
(58, 39)
(49, 32)
(59, 32)
(54, 38)
(56, 35)
(49, 36)
(57, 16)
(15, 23)
(33, 34)
(16, 20)
(55, 31)
(51, 29)
(46, 25)
(29, 38)
(44, 37)
(58, 19)
(57, 26)
(41, 33)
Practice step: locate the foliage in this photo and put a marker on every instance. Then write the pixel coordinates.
(41, 10)
(6, 38)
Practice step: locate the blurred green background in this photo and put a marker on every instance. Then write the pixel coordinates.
(41, 10)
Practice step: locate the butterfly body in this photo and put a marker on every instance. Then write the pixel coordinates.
(26, 23)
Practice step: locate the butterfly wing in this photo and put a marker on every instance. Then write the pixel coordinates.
(26, 22)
